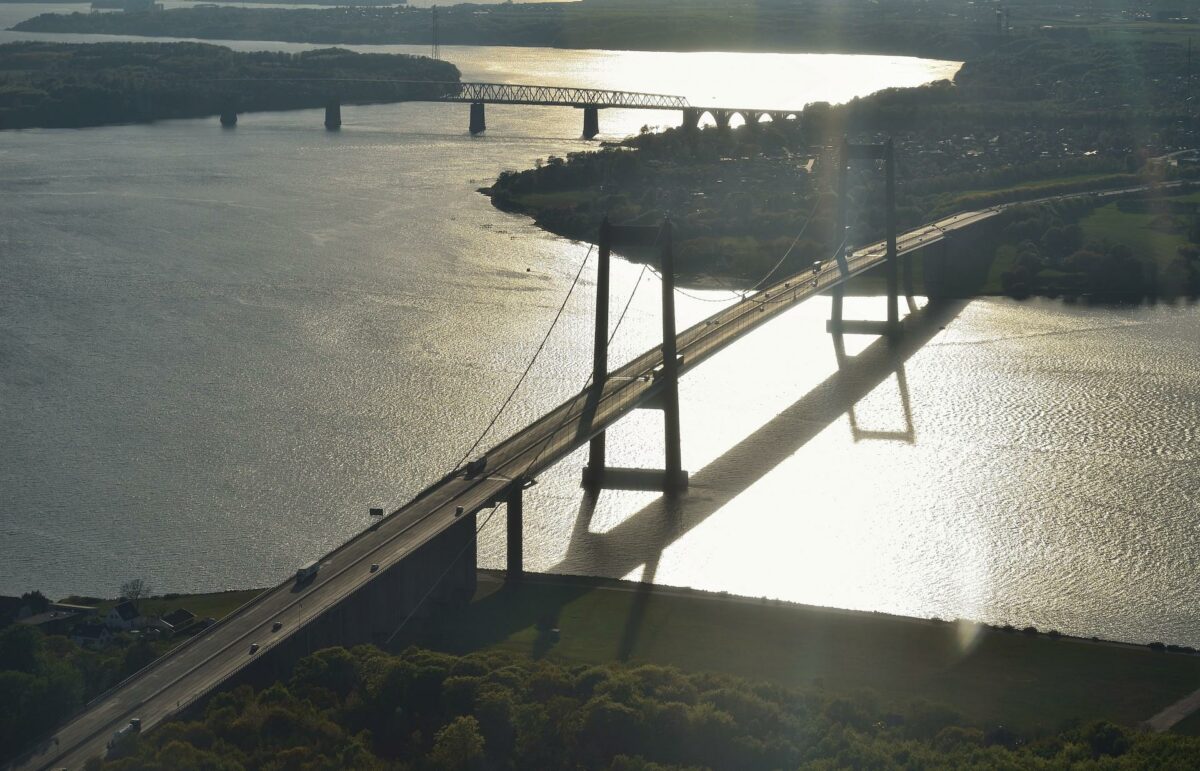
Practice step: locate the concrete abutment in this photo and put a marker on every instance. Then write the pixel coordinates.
(438, 576)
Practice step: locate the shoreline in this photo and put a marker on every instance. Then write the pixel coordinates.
(496, 575)
(1033, 683)
(493, 577)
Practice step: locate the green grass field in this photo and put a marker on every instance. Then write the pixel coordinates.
(216, 605)
(1028, 682)
(1108, 223)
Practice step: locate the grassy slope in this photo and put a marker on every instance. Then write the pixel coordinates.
(1189, 726)
(1028, 682)
(1133, 230)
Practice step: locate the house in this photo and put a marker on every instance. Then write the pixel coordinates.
(175, 620)
(124, 616)
(91, 635)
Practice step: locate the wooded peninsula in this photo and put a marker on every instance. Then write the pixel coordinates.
(62, 85)
(1038, 116)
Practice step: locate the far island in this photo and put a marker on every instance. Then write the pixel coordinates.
(62, 85)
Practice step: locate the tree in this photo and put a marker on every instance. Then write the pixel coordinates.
(459, 745)
(20, 649)
(135, 589)
(35, 601)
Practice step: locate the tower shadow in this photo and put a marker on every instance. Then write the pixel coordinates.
(641, 539)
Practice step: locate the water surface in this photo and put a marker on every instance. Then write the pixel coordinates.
(219, 348)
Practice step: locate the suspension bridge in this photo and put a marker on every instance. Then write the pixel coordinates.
(422, 556)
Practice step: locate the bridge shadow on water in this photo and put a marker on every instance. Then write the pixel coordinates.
(641, 539)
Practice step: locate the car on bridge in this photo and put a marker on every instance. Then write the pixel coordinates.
(125, 733)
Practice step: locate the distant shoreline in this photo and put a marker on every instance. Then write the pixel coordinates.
(573, 26)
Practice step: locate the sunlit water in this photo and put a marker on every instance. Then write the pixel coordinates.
(219, 348)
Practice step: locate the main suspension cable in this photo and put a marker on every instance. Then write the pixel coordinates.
(529, 366)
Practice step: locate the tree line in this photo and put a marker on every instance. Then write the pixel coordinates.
(937, 28)
(367, 709)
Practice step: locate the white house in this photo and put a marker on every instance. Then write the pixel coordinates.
(123, 616)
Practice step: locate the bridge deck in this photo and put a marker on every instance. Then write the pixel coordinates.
(195, 668)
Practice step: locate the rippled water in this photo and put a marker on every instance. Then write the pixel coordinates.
(219, 348)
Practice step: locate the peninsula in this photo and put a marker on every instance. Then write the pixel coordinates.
(62, 85)
(1009, 128)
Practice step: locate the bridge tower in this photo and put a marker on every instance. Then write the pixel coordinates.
(597, 475)
(333, 114)
(478, 118)
(591, 122)
(891, 328)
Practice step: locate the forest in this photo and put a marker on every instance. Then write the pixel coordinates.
(46, 679)
(367, 709)
(60, 85)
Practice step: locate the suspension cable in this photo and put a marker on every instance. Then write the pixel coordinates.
(743, 293)
(529, 366)
(588, 379)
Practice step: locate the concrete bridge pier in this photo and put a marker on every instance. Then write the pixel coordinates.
(722, 118)
(333, 114)
(478, 121)
(591, 122)
(691, 119)
(597, 475)
(515, 515)
(753, 118)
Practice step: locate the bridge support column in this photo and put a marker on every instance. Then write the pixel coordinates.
(515, 515)
(722, 118)
(672, 479)
(596, 449)
(691, 119)
(676, 479)
(891, 327)
(752, 119)
(478, 121)
(333, 115)
(893, 258)
(228, 117)
(591, 122)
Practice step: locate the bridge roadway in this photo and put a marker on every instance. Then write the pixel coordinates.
(193, 669)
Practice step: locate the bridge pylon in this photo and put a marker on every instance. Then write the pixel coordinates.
(591, 122)
(478, 119)
(597, 475)
(892, 327)
(229, 114)
(333, 114)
